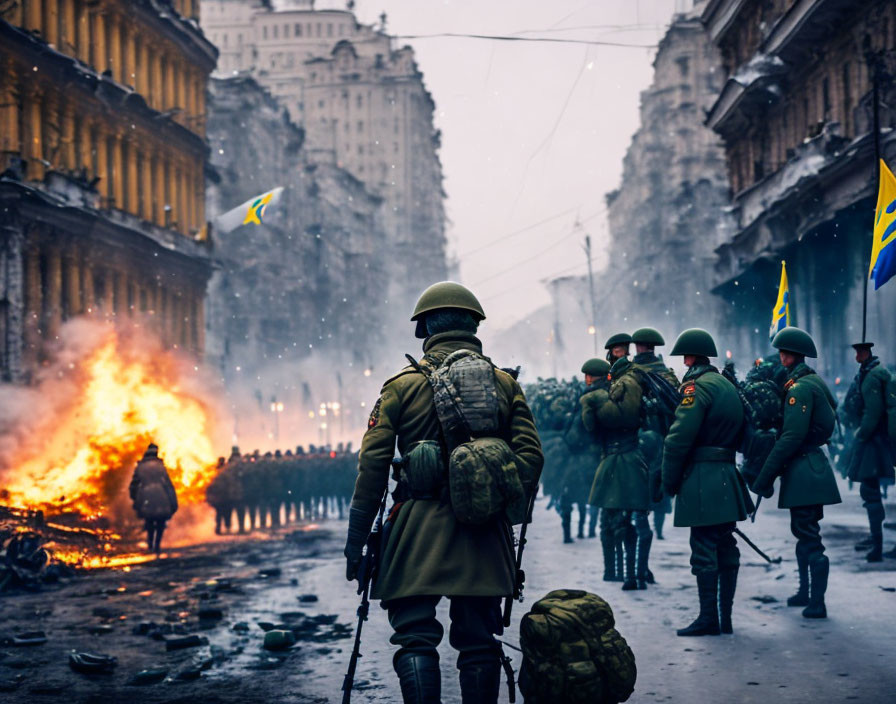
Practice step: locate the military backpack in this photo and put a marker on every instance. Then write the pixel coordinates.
(659, 402)
(572, 652)
(483, 478)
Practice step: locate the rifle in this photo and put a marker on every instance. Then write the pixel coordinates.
(366, 575)
(771, 561)
(520, 581)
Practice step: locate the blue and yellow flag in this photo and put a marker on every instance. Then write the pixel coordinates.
(883, 251)
(251, 212)
(781, 313)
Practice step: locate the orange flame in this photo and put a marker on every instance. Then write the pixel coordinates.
(125, 400)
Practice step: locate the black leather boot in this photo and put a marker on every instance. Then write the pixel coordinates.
(581, 535)
(801, 598)
(707, 623)
(609, 550)
(566, 521)
(620, 561)
(419, 677)
(645, 576)
(631, 580)
(480, 682)
(727, 587)
(819, 569)
(876, 522)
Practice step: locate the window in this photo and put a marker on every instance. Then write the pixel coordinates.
(360, 149)
(239, 39)
(329, 29)
(276, 32)
(286, 31)
(317, 29)
(320, 103)
(360, 100)
(297, 30)
(225, 41)
(360, 125)
(264, 32)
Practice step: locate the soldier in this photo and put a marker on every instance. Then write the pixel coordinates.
(617, 346)
(699, 470)
(216, 495)
(428, 553)
(871, 457)
(597, 373)
(620, 483)
(154, 496)
(646, 361)
(807, 480)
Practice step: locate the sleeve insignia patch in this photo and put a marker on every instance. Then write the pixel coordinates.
(689, 389)
(375, 414)
(792, 401)
(789, 384)
(688, 401)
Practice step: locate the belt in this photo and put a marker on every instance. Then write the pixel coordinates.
(708, 453)
(626, 443)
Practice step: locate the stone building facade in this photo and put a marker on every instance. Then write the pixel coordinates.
(796, 119)
(302, 282)
(668, 214)
(364, 107)
(102, 120)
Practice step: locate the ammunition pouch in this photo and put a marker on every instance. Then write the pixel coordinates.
(423, 470)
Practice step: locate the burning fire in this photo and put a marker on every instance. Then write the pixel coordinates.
(126, 396)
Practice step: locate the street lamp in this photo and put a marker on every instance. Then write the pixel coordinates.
(276, 409)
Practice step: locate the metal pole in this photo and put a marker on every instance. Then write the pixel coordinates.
(591, 289)
(874, 65)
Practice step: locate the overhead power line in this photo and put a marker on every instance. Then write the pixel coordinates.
(520, 231)
(507, 38)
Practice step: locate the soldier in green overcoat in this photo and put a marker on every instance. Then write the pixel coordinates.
(807, 480)
(428, 554)
(871, 455)
(646, 361)
(620, 483)
(700, 471)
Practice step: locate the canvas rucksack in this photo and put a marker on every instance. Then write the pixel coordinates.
(483, 478)
(572, 652)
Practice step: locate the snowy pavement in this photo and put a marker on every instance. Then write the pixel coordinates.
(775, 655)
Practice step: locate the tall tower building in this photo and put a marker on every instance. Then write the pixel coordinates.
(363, 105)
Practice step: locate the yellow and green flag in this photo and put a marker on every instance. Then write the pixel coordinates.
(781, 312)
(252, 212)
(883, 251)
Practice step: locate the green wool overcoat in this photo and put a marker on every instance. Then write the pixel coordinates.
(427, 551)
(806, 475)
(871, 453)
(698, 454)
(621, 478)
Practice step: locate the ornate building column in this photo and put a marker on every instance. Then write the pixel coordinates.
(50, 29)
(117, 185)
(33, 303)
(53, 304)
(121, 296)
(88, 293)
(9, 110)
(102, 162)
(73, 305)
(114, 40)
(133, 177)
(67, 117)
(13, 241)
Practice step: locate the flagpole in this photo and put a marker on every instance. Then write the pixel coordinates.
(874, 65)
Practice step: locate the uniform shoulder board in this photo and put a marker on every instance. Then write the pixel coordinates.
(789, 384)
(407, 370)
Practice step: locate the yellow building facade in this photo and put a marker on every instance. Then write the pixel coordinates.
(102, 142)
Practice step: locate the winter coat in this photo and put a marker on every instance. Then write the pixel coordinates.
(621, 478)
(428, 552)
(871, 454)
(151, 490)
(806, 475)
(699, 452)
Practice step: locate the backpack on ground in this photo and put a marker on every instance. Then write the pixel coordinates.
(483, 478)
(573, 653)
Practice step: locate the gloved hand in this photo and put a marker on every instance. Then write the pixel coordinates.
(360, 522)
(766, 492)
(352, 563)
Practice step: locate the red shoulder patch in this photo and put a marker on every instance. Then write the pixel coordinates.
(689, 389)
(375, 414)
(789, 384)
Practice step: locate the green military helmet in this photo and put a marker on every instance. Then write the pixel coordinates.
(596, 367)
(695, 341)
(445, 294)
(792, 339)
(620, 338)
(648, 336)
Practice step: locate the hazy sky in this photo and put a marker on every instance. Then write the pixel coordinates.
(531, 132)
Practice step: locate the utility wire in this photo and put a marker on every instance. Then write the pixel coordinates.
(507, 38)
(546, 276)
(515, 233)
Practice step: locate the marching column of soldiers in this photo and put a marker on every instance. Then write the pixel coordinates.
(261, 490)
